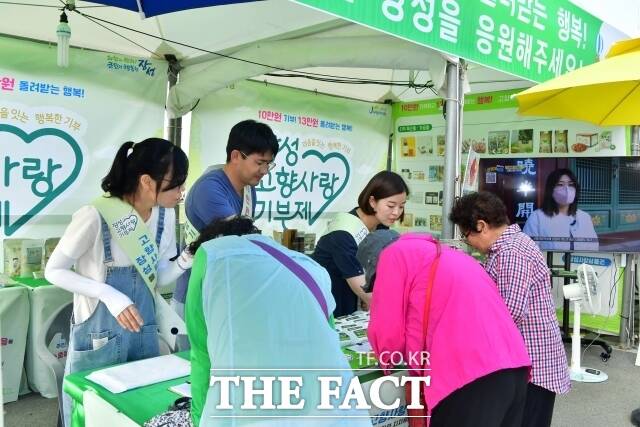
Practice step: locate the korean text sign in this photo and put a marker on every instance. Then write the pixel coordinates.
(536, 39)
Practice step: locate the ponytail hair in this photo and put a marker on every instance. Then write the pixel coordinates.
(154, 157)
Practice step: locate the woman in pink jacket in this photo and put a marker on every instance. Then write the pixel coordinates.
(472, 350)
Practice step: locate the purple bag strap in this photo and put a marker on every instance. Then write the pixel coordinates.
(296, 269)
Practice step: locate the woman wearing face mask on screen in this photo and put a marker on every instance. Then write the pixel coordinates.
(559, 225)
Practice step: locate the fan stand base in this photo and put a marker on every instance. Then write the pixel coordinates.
(588, 375)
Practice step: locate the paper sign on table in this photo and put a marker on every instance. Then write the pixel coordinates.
(140, 373)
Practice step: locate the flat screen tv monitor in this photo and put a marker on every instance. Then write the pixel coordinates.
(586, 204)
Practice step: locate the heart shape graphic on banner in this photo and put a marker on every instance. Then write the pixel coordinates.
(336, 193)
(29, 165)
(311, 181)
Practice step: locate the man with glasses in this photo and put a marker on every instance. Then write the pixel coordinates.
(521, 274)
(229, 189)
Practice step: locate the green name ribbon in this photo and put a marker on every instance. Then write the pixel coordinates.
(351, 224)
(133, 236)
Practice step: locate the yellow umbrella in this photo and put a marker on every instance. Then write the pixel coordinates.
(622, 47)
(606, 93)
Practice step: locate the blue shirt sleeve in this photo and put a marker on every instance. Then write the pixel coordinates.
(212, 205)
(211, 198)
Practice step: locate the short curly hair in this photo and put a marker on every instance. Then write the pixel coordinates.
(471, 208)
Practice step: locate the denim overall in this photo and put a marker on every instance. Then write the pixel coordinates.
(115, 344)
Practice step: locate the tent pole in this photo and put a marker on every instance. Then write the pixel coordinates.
(459, 177)
(451, 147)
(174, 126)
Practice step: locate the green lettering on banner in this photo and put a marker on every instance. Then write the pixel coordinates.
(415, 128)
(295, 179)
(535, 40)
(473, 102)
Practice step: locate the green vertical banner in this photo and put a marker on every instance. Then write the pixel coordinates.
(535, 40)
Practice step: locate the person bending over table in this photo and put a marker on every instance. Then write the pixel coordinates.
(116, 252)
(253, 304)
(437, 307)
(522, 277)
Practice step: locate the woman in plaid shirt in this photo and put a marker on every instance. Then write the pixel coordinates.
(517, 266)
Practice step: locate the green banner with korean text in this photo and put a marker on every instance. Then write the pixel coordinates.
(472, 102)
(535, 40)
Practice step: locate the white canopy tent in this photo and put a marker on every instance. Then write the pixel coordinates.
(214, 29)
(263, 37)
(248, 30)
(267, 36)
(237, 29)
(343, 51)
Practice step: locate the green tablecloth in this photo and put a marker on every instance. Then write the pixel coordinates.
(31, 283)
(139, 404)
(143, 403)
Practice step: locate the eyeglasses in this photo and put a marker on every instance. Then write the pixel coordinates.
(466, 233)
(261, 163)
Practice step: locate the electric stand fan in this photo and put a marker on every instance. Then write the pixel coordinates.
(587, 289)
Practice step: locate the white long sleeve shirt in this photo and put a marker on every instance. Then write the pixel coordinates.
(81, 247)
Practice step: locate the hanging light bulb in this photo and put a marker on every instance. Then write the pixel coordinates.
(64, 34)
